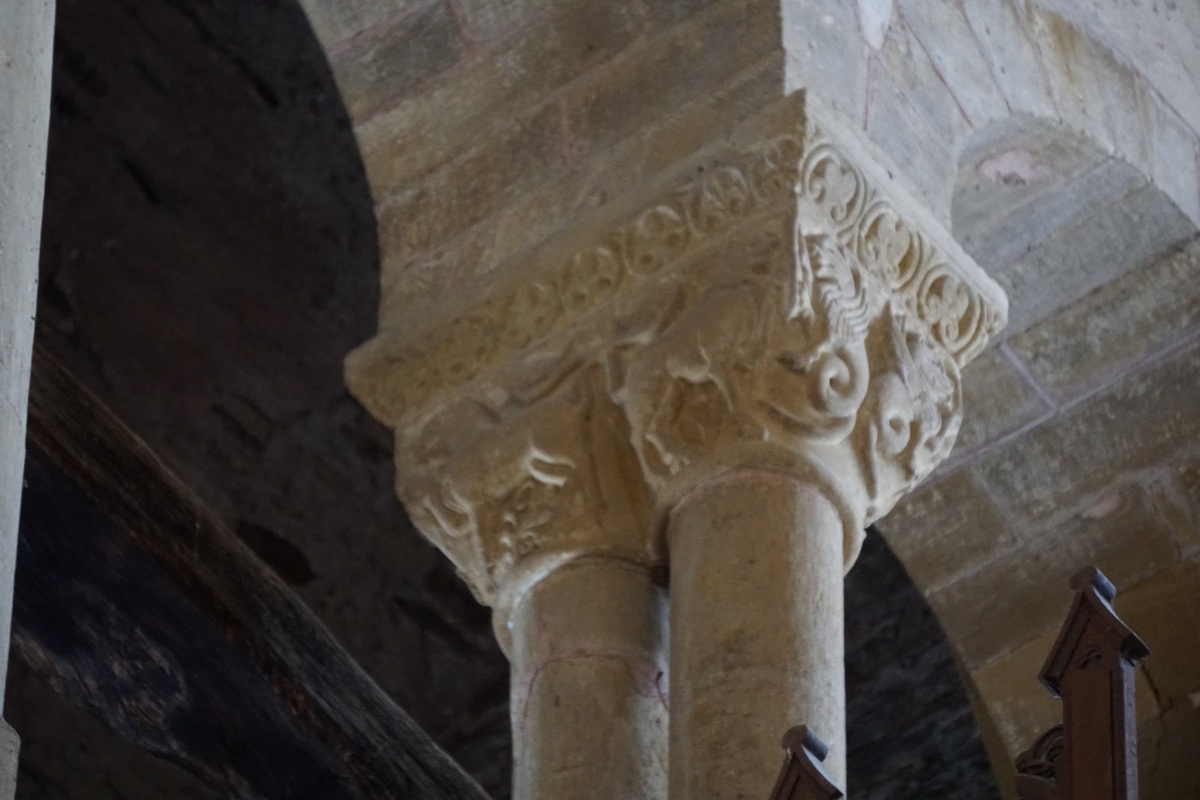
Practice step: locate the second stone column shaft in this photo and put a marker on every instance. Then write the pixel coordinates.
(589, 706)
(756, 633)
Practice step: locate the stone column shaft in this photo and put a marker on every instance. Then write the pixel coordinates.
(756, 632)
(589, 704)
(26, 34)
(729, 379)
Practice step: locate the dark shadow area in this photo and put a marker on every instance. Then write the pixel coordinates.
(910, 731)
(208, 258)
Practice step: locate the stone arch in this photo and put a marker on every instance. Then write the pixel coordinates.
(943, 70)
(1076, 445)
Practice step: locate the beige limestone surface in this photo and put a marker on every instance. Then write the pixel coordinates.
(26, 29)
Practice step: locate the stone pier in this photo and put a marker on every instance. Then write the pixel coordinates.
(652, 452)
(26, 33)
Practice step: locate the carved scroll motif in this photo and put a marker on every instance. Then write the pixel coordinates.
(804, 170)
(777, 308)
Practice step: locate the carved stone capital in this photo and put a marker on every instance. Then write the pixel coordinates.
(780, 305)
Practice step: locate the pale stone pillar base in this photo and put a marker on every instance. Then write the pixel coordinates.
(10, 747)
(589, 708)
(756, 632)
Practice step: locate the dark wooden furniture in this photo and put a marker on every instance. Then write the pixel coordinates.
(1093, 754)
(802, 777)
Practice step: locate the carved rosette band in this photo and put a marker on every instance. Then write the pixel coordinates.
(778, 312)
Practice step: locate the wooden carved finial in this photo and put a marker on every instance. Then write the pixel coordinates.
(802, 777)
(1093, 754)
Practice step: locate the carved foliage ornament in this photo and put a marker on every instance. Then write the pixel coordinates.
(686, 332)
(397, 380)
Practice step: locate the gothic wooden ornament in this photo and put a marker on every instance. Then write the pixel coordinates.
(802, 777)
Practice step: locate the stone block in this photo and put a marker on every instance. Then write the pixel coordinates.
(912, 70)
(897, 129)
(1112, 327)
(946, 527)
(707, 118)
(1167, 747)
(1012, 55)
(944, 31)
(334, 21)
(1024, 592)
(521, 225)
(1124, 99)
(10, 747)
(1127, 233)
(490, 19)
(1070, 61)
(419, 294)
(1060, 464)
(483, 95)
(827, 54)
(1042, 208)
(1015, 165)
(1019, 707)
(997, 400)
(1176, 169)
(657, 78)
(1177, 499)
(471, 188)
(668, 12)
(1163, 612)
(1158, 39)
(391, 64)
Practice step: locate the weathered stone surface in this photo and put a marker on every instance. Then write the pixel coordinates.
(1167, 753)
(10, 748)
(484, 94)
(490, 19)
(335, 21)
(1057, 465)
(1019, 594)
(1159, 39)
(1111, 328)
(1177, 498)
(26, 41)
(390, 64)
(770, 309)
(1125, 95)
(1176, 160)
(911, 67)
(1120, 237)
(1012, 55)
(469, 189)
(898, 129)
(1019, 708)
(1010, 226)
(997, 399)
(947, 527)
(827, 54)
(945, 32)
(500, 242)
(1163, 612)
(1070, 57)
(658, 77)
(1013, 164)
